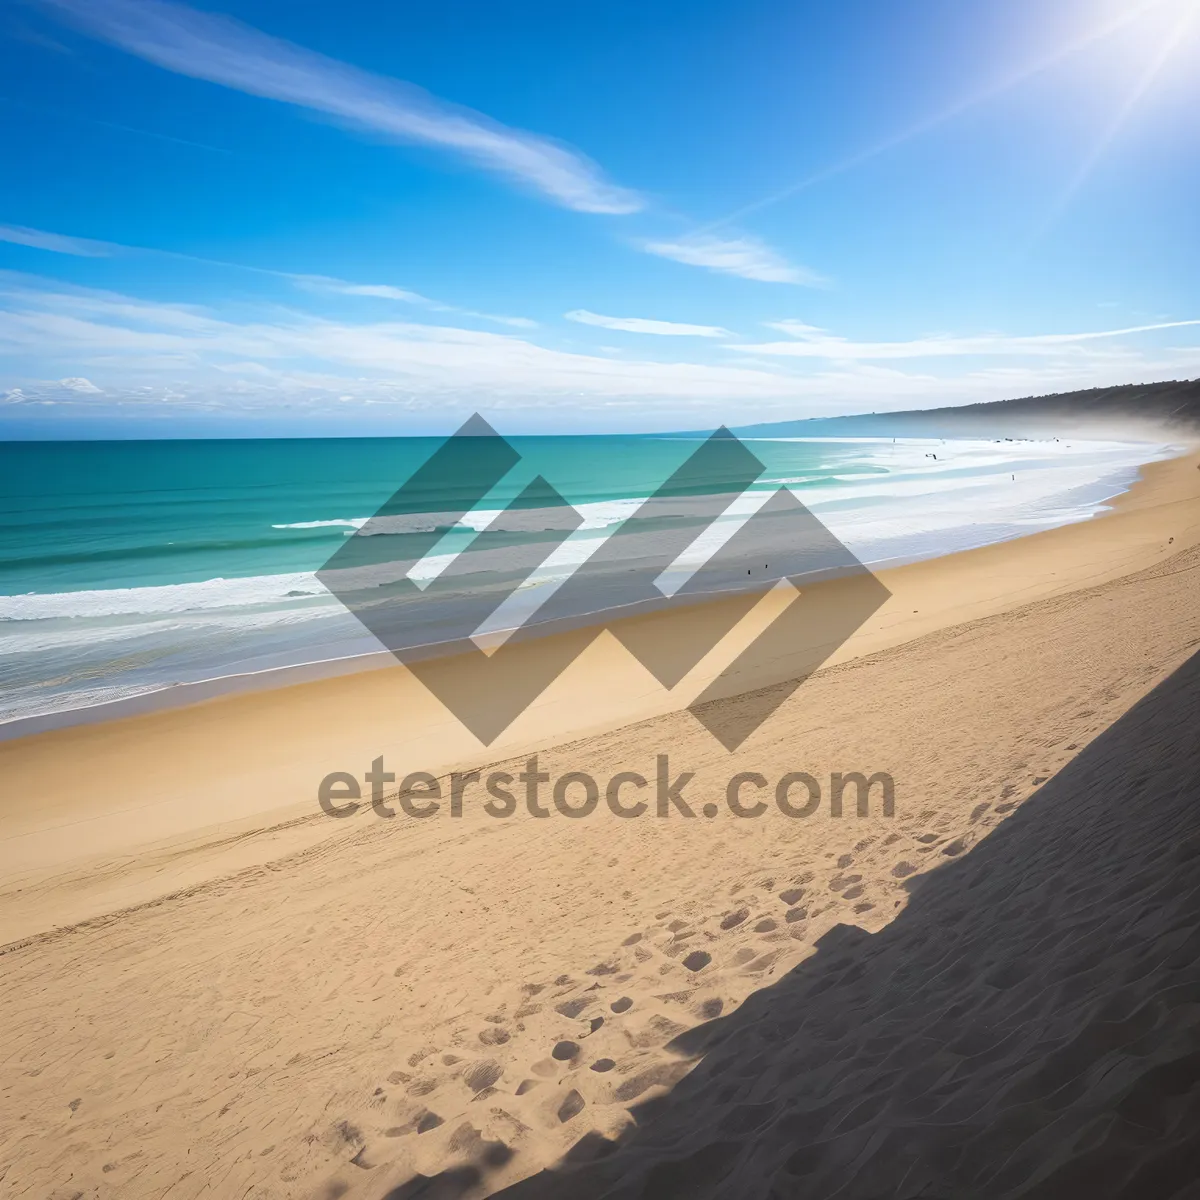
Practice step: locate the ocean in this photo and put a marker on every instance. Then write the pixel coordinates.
(143, 569)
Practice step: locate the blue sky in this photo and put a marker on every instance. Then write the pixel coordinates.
(367, 217)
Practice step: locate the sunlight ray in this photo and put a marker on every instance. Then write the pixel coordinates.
(1113, 129)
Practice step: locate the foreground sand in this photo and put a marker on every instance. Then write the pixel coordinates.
(471, 1000)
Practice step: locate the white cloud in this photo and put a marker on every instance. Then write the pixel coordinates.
(812, 342)
(237, 56)
(385, 291)
(340, 287)
(512, 322)
(644, 325)
(39, 239)
(797, 328)
(50, 391)
(81, 386)
(32, 293)
(64, 244)
(745, 256)
(103, 330)
(184, 358)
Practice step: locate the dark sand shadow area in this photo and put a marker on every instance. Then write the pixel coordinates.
(1028, 1026)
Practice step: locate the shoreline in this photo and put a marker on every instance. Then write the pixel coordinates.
(130, 810)
(178, 695)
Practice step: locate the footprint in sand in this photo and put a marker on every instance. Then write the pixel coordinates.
(564, 1051)
(734, 919)
(657, 1032)
(623, 1004)
(571, 1106)
(674, 997)
(572, 1008)
(660, 1075)
(423, 1122)
(483, 1074)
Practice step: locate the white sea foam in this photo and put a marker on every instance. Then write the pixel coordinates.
(596, 515)
(347, 522)
(169, 598)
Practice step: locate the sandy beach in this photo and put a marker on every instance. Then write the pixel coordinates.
(213, 988)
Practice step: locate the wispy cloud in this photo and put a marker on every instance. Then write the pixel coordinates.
(104, 332)
(745, 256)
(385, 291)
(237, 56)
(84, 119)
(812, 342)
(341, 287)
(644, 325)
(84, 247)
(39, 239)
(58, 342)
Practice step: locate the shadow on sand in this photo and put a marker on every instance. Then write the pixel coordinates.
(1028, 1026)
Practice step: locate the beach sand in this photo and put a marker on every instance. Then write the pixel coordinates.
(212, 988)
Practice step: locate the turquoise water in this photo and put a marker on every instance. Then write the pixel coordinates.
(87, 515)
(127, 568)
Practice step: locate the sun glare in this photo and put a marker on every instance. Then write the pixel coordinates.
(1157, 32)
(1149, 43)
